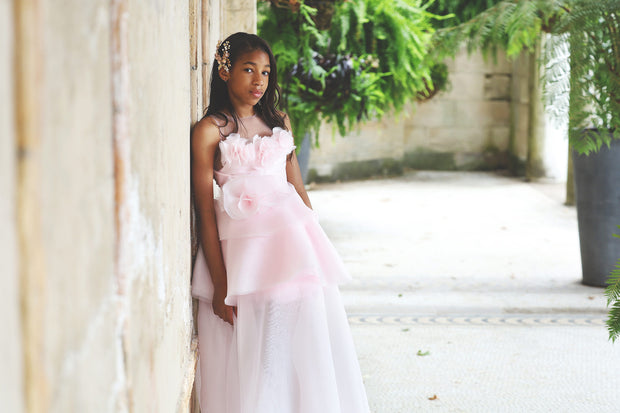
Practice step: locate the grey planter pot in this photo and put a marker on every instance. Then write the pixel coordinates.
(597, 194)
(303, 157)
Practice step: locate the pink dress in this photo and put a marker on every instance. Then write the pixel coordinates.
(290, 349)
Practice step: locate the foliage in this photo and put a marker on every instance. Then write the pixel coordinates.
(509, 25)
(293, 37)
(592, 31)
(586, 89)
(461, 10)
(372, 58)
(613, 301)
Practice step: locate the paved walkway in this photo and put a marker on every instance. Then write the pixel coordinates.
(467, 297)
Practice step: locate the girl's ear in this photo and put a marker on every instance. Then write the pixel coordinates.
(224, 74)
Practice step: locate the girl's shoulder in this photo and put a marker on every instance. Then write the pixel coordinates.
(287, 121)
(205, 132)
(219, 119)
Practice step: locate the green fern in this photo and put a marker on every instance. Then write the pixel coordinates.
(510, 25)
(594, 97)
(384, 44)
(613, 301)
(460, 11)
(583, 89)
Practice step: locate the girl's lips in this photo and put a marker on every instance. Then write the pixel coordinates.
(257, 93)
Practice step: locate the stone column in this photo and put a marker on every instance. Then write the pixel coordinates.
(519, 115)
(534, 167)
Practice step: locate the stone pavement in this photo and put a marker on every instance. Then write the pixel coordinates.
(466, 295)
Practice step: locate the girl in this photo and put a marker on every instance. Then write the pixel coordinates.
(273, 334)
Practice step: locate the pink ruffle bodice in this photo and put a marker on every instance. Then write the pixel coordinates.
(267, 234)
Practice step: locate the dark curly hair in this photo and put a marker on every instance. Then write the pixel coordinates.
(219, 101)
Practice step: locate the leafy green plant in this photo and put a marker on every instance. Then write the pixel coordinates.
(586, 88)
(591, 29)
(612, 292)
(510, 25)
(372, 58)
(461, 10)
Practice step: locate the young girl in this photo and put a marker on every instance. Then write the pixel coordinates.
(273, 334)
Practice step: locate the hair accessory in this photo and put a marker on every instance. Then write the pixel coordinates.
(223, 59)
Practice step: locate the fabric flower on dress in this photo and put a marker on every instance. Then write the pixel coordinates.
(240, 200)
(246, 196)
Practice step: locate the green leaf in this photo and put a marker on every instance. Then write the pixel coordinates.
(388, 43)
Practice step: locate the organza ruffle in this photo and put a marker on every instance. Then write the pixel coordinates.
(267, 256)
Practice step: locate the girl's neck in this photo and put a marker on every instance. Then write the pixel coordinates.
(244, 113)
(242, 110)
(240, 115)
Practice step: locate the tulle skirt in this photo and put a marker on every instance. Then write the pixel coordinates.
(290, 351)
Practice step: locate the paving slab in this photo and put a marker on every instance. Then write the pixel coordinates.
(466, 295)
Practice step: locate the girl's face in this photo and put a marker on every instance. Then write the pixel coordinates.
(248, 79)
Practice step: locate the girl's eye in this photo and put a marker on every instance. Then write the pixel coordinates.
(248, 69)
(265, 73)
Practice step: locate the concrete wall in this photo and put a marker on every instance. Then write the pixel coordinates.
(11, 355)
(238, 16)
(95, 166)
(466, 127)
(154, 252)
(77, 209)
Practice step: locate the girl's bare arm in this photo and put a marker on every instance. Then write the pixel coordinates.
(204, 141)
(293, 174)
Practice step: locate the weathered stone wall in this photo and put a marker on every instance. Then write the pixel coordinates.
(154, 252)
(11, 356)
(81, 332)
(95, 163)
(239, 16)
(466, 127)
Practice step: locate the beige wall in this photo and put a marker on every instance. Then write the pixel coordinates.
(11, 356)
(239, 16)
(77, 208)
(154, 246)
(96, 171)
(466, 127)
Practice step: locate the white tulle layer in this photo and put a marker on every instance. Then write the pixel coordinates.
(290, 351)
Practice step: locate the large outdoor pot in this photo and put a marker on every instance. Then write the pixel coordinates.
(597, 190)
(303, 157)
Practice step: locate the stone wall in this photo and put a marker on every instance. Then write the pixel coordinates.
(95, 163)
(82, 325)
(466, 127)
(11, 355)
